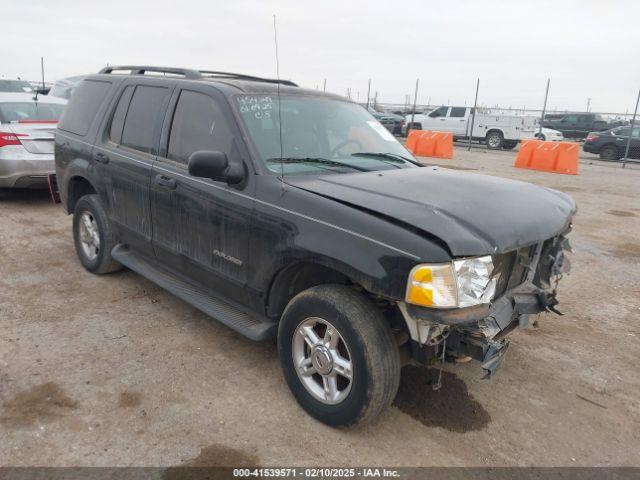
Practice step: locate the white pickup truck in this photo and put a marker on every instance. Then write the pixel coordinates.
(495, 130)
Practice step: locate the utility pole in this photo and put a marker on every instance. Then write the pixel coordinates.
(42, 70)
(588, 104)
(633, 123)
(324, 85)
(544, 107)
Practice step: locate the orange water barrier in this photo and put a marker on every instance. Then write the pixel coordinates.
(555, 157)
(426, 143)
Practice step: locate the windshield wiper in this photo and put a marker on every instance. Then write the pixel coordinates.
(390, 156)
(319, 160)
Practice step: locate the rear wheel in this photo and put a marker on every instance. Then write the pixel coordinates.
(609, 152)
(338, 355)
(93, 236)
(494, 140)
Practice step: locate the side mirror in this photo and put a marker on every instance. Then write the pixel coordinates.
(214, 165)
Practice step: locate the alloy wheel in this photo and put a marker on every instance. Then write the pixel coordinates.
(89, 236)
(322, 360)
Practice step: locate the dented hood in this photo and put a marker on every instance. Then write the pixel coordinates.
(472, 214)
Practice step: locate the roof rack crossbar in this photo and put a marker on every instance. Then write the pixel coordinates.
(142, 69)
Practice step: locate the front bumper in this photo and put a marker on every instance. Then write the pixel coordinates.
(480, 332)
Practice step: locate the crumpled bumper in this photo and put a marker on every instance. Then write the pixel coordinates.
(480, 332)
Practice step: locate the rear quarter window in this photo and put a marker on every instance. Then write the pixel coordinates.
(83, 106)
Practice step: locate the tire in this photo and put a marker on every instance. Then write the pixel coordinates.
(363, 348)
(93, 243)
(609, 152)
(494, 140)
(509, 145)
(542, 137)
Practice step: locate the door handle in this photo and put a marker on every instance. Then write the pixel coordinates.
(101, 157)
(166, 182)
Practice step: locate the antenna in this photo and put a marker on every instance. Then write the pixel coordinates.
(275, 38)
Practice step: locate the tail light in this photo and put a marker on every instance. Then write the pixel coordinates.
(8, 138)
(592, 137)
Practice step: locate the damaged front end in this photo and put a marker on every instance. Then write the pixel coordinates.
(524, 283)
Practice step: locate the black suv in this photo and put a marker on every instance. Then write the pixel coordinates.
(612, 144)
(290, 213)
(577, 125)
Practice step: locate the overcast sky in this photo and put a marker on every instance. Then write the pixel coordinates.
(588, 48)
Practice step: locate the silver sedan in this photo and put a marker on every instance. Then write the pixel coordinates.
(27, 127)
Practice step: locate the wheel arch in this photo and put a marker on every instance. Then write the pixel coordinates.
(77, 187)
(492, 130)
(301, 275)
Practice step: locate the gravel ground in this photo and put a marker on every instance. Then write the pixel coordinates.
(112, 370)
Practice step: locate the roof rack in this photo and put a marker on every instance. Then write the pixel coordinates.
(240, 76)
(141, 70)
(191, 73)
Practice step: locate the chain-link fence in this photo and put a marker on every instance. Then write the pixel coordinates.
(608, 135)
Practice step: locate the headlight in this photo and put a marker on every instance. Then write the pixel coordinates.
(461, 283)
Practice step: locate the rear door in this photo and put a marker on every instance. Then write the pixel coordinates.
(457, 121)
(569, 125)
(201, 227)
(124, 154)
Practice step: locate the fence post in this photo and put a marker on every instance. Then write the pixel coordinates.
(544, 107)
(633, 122)
(413, 111)
(368, 93)
(473, 115)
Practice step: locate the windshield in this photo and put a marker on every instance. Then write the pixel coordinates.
(29, 111)
(319, 135)
(15, 86)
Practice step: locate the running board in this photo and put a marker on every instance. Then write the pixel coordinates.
(221, 310)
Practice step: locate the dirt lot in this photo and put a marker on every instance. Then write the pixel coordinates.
(114, 371)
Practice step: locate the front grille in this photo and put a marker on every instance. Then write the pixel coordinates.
(513, 268)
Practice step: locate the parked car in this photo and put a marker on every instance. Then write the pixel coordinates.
(531, 130)
(293, 214)
(391, 121)
(27, 127)
(15, 86)
(63, 88)
(578, 125)
(494, 130)
(612, 144)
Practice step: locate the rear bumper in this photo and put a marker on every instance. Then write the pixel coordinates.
(590, 148)
(26, 173)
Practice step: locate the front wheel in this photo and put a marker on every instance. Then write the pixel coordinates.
(494, 140)
(338, 355)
